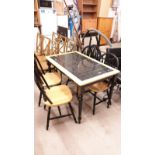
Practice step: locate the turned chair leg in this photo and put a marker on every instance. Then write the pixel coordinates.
(40, 96)
(59, 110)
(68, 80)
(94, 104)
(48, 118)
(109, 99)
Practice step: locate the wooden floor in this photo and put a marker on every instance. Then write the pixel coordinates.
(96, 135)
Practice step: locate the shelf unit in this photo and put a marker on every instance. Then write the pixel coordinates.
(37, 22)
(88, 11)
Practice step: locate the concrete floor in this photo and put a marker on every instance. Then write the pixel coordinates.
(96, 135)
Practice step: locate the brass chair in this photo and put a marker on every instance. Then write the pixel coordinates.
(50, 78)
(107, 84)
(55, 96)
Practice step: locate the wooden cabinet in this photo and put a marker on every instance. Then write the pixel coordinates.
(104, 24)
(36, 15)
(88, 11)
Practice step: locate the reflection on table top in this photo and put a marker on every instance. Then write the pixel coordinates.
(81, 68)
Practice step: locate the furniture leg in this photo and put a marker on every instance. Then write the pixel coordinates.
(67, 81)
(48, 118)
(80, 97)
(40, 96)
(94, 103)
(110, 92)
(72, 112)
(59, 110)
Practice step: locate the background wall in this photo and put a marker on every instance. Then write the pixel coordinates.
(103, 7)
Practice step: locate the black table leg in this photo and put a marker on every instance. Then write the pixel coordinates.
(80, 98)
(111, 91)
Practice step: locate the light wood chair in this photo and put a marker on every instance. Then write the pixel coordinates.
(58, 43)
(43, 45)
(55, 96)
(51, 78)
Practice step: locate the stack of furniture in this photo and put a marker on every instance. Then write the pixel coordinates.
(37, 22)
(88, 11)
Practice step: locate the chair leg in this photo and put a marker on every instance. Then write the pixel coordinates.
(48, 118)
(72, 112)
(40, 96)
(67, 81)
(109, 99)
(49, 66)
(94, 104)
(61, 77)
(59, 110)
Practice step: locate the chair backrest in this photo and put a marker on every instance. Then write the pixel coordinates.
(38, 64)
(117, 52)
(110, 59)
(92, 51)
(55, 43)
(40, 80)
(97, 34)
(43, 45)
(39, 76)
(38, 43)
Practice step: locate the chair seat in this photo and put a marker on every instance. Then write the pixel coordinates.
(59, 95)
(43, 61)
(52, 78)
(41, 58)
(98, 87)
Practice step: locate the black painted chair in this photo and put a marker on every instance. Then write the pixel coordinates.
(92, 51)
(55, 96)
(51, 78)
(107, 84)
(117, 52)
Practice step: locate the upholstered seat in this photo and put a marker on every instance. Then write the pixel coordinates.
(59, 95)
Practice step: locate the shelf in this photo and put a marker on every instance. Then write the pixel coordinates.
(92, 4)
(89, 11)
(36, 24)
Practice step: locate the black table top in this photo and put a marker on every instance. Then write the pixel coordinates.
(80, 66)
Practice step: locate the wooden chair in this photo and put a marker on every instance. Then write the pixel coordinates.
(117, 52)
(55, 96)
(106, 85)
(51, 78)
(39, 40)
(58, 43)
(43, 45)
(92, 51)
